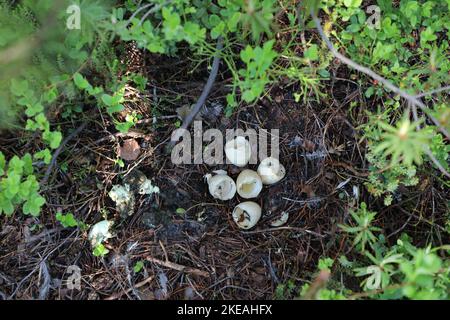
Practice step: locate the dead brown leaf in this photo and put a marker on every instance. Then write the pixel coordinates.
(130, 150)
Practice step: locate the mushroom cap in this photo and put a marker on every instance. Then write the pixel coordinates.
(271, 170)
(221, 186)
(238, 151)
(248, 184)
(246, 214)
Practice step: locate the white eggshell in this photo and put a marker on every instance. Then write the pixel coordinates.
(271, 170)
(221, 186)
(238, 151)
(248, 184)
(247, 214)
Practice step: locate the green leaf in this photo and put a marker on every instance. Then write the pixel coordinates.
(33, 205)
(6, 205)
(45, 155)
(115, 108)
(352, 3)
(180, 211)
(312, 53)
(15, 165)
(100, 250)
(67, 220)
(27, 164)
(19, 88)
(2, 164)
(34, 109)
(138, 266)
(80, 81)
(53, 138)
(107, 99)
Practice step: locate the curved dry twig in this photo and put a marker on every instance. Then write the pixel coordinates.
(410, 98)
(209, 83)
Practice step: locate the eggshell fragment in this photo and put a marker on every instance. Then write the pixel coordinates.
(246, 214)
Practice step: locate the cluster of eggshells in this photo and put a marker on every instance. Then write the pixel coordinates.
(248, 184)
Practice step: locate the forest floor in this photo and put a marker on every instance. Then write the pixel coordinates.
(199, 253)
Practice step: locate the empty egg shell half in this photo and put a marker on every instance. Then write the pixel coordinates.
(271, 170)
(238, 151)
(248, 184)
(247, 214)
(221, 186)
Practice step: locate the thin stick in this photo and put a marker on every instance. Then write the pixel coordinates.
(178, 267)
(59, 150)
(447, 88)
(201, 100)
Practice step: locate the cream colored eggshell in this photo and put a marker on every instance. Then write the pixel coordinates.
(248, 184)
(238, 151)
(247, 214)
(271, 170)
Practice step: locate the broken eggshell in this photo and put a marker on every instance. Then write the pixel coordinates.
(248, 184)
(221, 186)
(238, 151)
(246, 214)
(281, 220)
(271, 170)
(100, 232)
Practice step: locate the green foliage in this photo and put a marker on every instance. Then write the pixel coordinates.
(392, 49)
(170, 24)
(363, 231)
(255, 76)
(38, 57)
(100, 250)
(284, 291)
(138, 266)
(402, 143)
(67, 220)
(19, 186)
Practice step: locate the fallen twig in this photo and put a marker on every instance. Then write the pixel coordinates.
(179, 267)
(59, 150)
(209, 83)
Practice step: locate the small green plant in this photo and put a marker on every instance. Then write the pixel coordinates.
(284, 291)
(67, 220)
(100, 250)
(402, 143)
(139, 265)
(19, 186)
(363, 229)
(255, 76)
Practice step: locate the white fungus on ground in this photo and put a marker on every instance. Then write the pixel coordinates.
(247, 214)
(100, 232)
(148, 188)
(238, 151)
(248, 184)
(221, 186)
(271, 170)
(124, 199)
